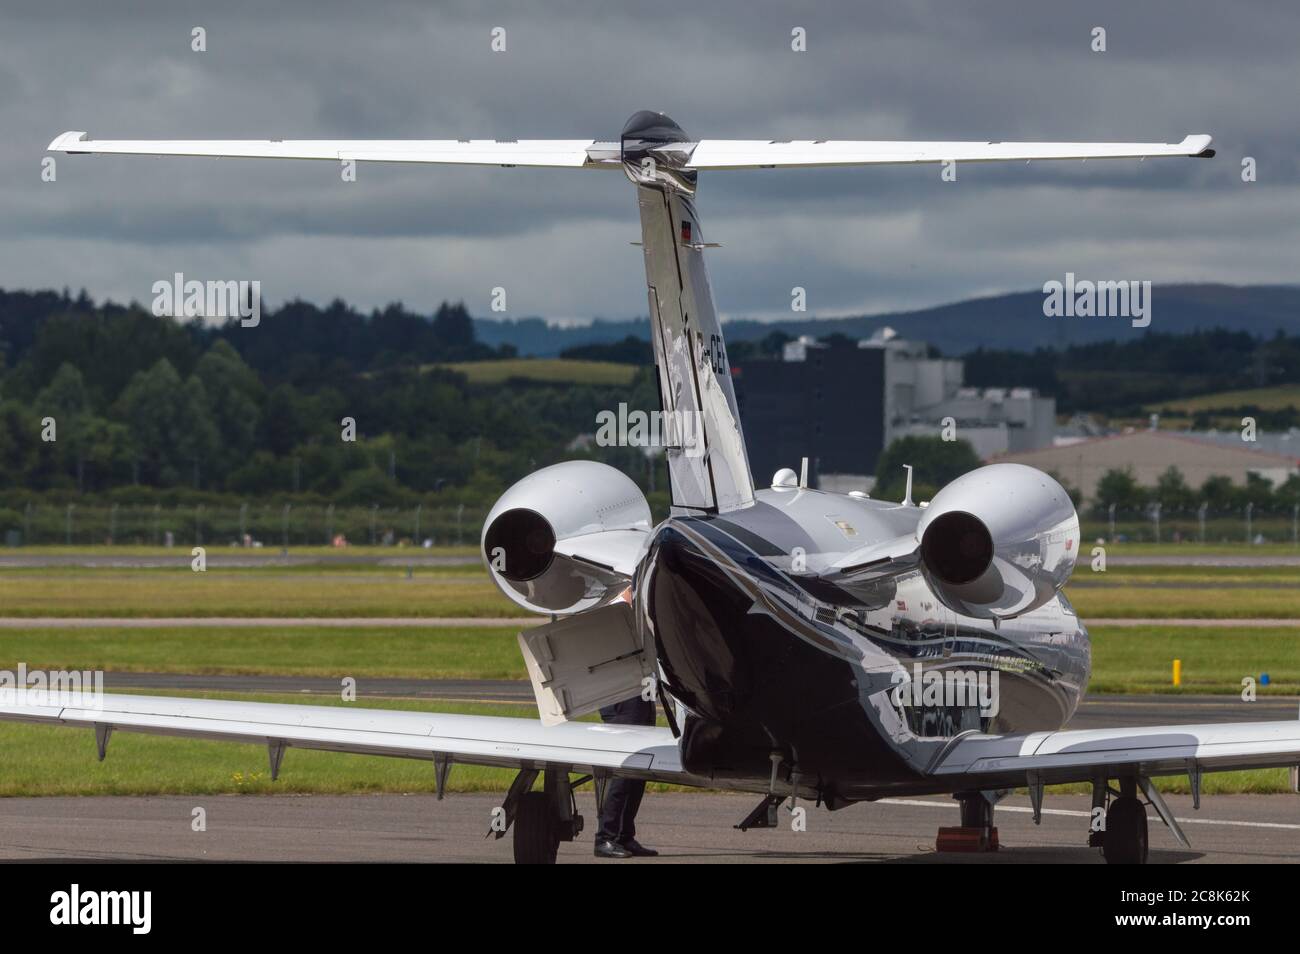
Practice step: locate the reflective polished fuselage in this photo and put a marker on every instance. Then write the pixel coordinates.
(775, 664)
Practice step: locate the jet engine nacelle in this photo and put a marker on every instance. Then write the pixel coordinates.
(999, 541)
(566, 538)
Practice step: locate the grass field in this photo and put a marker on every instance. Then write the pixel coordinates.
(549, 370)
(329, 653)
(358, 551)
(271, 591)
(1191, 603)
(1140, 659)
(1124, 659)
(1268, 399)
(368, 590)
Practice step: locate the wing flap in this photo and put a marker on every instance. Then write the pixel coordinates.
(757, 154)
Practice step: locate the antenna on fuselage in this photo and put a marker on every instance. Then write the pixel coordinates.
(907, 494)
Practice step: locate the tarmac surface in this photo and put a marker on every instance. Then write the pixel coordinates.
(685, 827)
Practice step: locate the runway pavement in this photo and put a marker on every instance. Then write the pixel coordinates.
(686, 827)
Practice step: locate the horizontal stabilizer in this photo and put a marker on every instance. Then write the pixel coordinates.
(596, 154)
(553, 153)
(742, 154)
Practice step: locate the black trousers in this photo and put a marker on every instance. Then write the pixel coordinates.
(623, 795)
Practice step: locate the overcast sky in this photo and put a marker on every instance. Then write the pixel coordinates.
(558, 241)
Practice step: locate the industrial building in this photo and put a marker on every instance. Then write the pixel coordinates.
(840, 404)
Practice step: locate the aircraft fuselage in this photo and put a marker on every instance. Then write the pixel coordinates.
(774, 663)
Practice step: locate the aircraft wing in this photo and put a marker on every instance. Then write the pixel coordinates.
(1075, 755)
(758, 154)
(643, 752)
(553, 153)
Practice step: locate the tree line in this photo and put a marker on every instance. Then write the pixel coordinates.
(147, 407)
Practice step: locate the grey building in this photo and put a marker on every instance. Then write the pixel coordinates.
(841, 404)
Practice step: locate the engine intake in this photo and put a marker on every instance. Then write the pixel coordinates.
(552, 540)
(999, 541)
(525, 541)
(957, 547)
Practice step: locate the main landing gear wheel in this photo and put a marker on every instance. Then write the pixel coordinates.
(1125, 839)
(537, 830)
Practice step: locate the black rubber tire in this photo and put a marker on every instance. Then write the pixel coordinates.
(537, 836)
(1125, 839)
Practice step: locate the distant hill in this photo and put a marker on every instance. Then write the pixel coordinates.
(1013, 321)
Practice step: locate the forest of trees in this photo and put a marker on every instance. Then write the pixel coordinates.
(153, 409)
(1120, 377)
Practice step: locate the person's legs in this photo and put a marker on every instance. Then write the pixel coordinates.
(623, 795)
(634, 790)
(614, 811)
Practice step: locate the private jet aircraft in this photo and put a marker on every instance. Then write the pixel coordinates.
(779, 627)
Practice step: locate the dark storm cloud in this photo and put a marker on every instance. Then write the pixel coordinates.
(857, 239)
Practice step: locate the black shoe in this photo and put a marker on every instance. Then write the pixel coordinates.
(611, 849)
(638, 850)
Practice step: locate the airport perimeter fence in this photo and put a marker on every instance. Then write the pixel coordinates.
(322, 525)
(1159, 524)
(249, 525)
